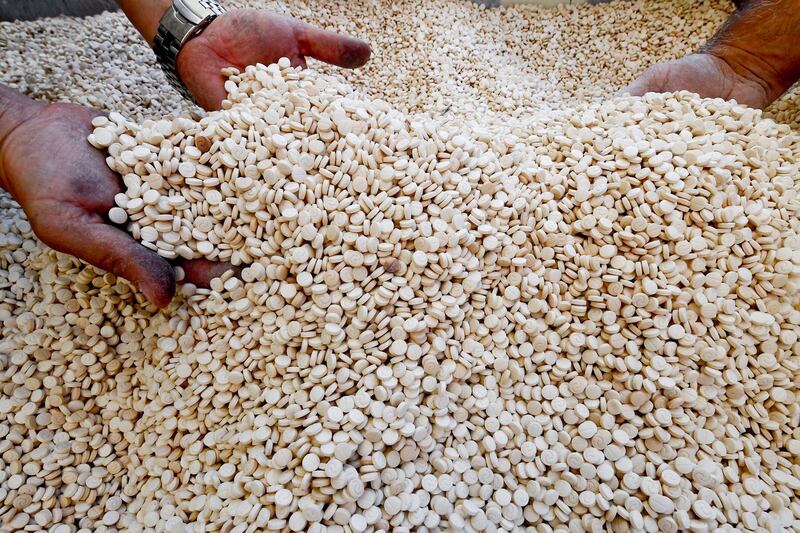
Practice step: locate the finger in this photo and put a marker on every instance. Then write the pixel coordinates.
(651, 80)
(200, 272)
(330, 47)
(639, 87)
(115, 251)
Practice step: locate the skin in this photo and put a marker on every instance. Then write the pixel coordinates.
(66, 189)
(63, 183)
(753, 59)
(249, 36)
(244, 37)
(706, 75)
(67, 194)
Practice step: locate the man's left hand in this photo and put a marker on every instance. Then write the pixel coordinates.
(248, 36)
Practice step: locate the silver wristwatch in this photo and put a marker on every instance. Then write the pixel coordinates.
(183, 20)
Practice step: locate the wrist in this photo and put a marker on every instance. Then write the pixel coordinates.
(15, 110)
(145, 15)
(759, 43)
(774, 78)
(181, 26)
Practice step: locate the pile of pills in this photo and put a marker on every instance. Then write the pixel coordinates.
(449, 58)
(587, 324)
(558, 318)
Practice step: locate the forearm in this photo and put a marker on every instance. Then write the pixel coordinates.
(145, 15)
(762, 41)
(15, 108)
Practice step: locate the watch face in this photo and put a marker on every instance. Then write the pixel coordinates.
(194, 10)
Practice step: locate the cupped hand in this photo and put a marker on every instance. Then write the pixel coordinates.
(248, 36)
(704, 74)
(66, 190)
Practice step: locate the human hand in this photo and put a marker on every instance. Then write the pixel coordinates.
(248, 36)
(66, 189)
(707, 75)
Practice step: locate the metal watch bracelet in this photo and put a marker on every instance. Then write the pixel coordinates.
(182, 21)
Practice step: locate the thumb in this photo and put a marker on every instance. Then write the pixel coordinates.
(115, 251)
(330, 47)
